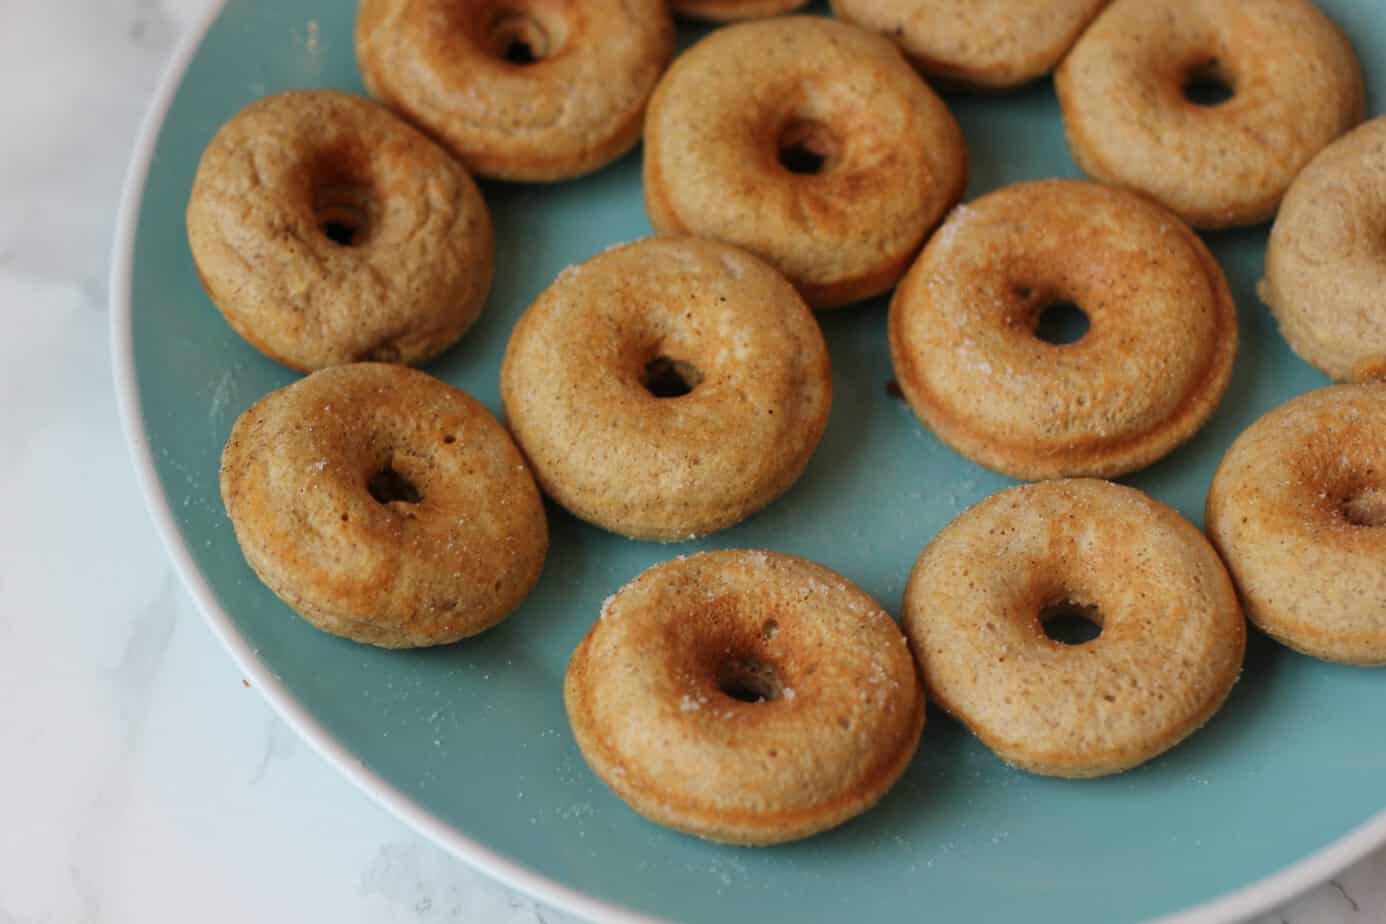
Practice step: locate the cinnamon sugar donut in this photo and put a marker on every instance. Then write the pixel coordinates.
(967, 329)
(745, 697)
(384, 506)
(667, 388)
(985, 597)
(809, 142)
(727, 10)
(328, 231)
(1326, 263)
(1210, 106)
(1298, 510)
(989, 44)
(530, 90)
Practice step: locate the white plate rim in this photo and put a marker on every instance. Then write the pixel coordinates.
(1239, 904)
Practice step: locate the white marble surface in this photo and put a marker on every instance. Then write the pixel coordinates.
(141, 780)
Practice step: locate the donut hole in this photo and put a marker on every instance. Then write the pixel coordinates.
(388, 486)
(665, 377)
(342, 205)
(807, 147)
(1070, 623)
(1366, 508)
(1061, 322)
(749, 680)
(522, 35)
(1208, 84)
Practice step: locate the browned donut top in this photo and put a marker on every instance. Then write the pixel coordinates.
(384, 505)
(328, 231)
(518, 89)
(745, 696)
(1151, 368)
(1125, 88)
(1298, 510)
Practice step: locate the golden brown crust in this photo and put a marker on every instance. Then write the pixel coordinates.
(1326, 261)
(1171, 643)
(270, 187)
(1297, 86)
(645, 693)
(667, 468)
(722, 118)
(300, 477)
(1149, 372)
(731, 10)
(986, 44)
(578, 106)
(1298, 510)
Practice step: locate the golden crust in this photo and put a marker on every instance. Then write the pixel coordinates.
(645, 697)
(988, 44)
(576, 108)
(669, 468)
(730, 10)
(1149, 372)
(1297, 86)
(296, 476)
(275, 176)
(894, 159)
(1298, 510)
(1326, 262)
(1169, 652)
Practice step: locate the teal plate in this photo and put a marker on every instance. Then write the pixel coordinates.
(470, 743)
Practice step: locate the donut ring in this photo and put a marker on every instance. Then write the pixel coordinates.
(879, 157)
(1169, 651)
(667, 388)
(384, 506)
(1127, 91)
(966, 327)
(745, 697)
(728, 10)
(1297, 509)
(1326, 263)
(528, 90)
(327, 231)
(992, 45)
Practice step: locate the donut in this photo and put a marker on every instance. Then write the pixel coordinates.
(327, 231)
(1209, 106)
(808, 142)
(384, 506)
(1326, 262)
(745, 697)
(991, 45)
(974, 353)
(993, 603)
(728, 10)
(532, 91)
(667, 388)
(1298, 510)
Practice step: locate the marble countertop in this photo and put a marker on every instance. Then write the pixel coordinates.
(143, 779)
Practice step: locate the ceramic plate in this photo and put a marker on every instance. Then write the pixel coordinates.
(470, 744)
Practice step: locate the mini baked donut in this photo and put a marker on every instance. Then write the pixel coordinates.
(328, 231)
(1298, 511)
(745, 697)
(1326, 263)
(973, 351)
(529, 90)
(810, 143)
(726, 10)
(384, 506)
(667, 388)
(991, 44)
(1209, 106)
(992, 607)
